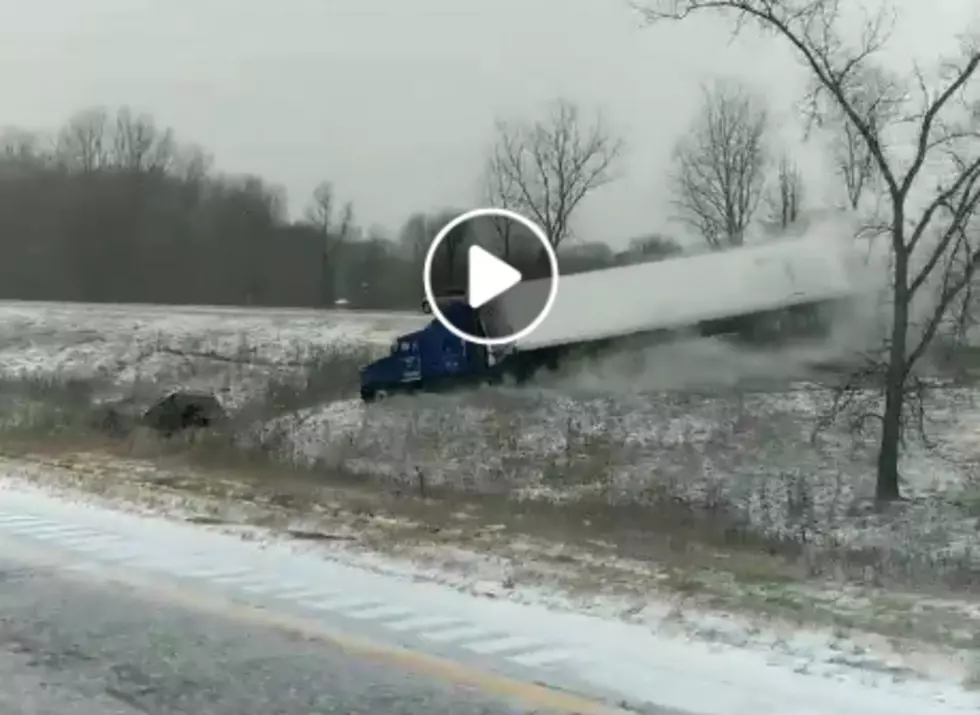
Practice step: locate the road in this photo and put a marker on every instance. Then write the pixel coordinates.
(116, 613)
(71, 646)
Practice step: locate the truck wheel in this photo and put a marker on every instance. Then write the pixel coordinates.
(372, 395)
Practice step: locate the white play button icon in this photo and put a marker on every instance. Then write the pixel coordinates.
(505, 299)
(488, 277)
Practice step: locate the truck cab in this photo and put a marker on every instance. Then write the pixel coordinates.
(432, 357)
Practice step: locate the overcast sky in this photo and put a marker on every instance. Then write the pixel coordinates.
(394, 100)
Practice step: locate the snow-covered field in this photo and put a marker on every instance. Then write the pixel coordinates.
(612, 433)
(747, 460)
(229, 349)
(743, 462)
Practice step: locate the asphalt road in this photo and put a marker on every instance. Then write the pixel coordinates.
(80, 647)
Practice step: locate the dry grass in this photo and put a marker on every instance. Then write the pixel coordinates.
(450, 469)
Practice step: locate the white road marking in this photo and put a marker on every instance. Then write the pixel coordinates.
(378, 613)
(120, 548)
(95, 543)
(19, 519)
(35, 528)
(208, 572)
(232, 579)
(64, 533)
(339, 603)
(423, 622)
(544, 657)
(305, 594)
(468, 632)
(122, 553)
(269, 588)
(500, 645)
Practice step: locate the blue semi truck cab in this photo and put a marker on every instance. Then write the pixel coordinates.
(433, 358)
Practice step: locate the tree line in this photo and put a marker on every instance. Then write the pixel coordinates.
(115, 208)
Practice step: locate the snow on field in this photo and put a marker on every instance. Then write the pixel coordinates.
(750, 458)
(745, 457)
(129, 343)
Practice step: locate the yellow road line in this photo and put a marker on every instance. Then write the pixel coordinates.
(529, 694)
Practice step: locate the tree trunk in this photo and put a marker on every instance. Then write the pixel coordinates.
(887, 486)
(326, 284)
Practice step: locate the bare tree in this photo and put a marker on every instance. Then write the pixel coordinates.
(321, 213)
(450, 250)
(927, 225)
(787, 197)
(653, 247)
(20, 145)
(877, 98)
(501, 191)
(138, 145)
(414, 238)
(334, 232)
(721, 165)
(544, 169)
(84, 143)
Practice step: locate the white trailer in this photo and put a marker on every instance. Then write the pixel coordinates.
(822, 265)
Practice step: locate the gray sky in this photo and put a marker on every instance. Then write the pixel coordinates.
(394, 100)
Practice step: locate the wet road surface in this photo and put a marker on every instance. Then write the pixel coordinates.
(72, 646)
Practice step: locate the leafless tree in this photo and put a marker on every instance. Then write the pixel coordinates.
(653, 247)
(84, 143)
(501, 191)
(928, 223)
(192, 165)
(334, 233)
(450, 251)
(721, 164)
(414, 237)
(787, 197)
(417, 235)
(321, 213)
(877, 98)
(18, 145)
(138, 145)
(545, 168)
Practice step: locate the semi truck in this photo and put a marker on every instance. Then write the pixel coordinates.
(779, 290)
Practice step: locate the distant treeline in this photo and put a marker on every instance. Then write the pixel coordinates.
(114, 209)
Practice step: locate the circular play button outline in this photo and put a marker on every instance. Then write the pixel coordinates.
(492, 212)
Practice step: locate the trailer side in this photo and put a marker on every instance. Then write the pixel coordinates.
(682, 292)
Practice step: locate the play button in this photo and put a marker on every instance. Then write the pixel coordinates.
(488, 277)
(511, 277)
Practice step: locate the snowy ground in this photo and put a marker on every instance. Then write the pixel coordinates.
(170, 346)
(748, 461)
(77, 338)
(612, 433)
(740, 467)
(659, 649)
